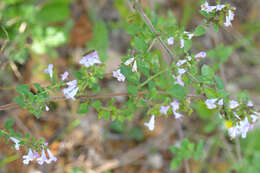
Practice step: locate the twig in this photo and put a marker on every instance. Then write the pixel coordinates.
(150, 25)
(181, 136)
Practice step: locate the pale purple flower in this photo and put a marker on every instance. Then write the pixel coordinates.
(90, 59)
(221, 102)
(250, 104)
(151, 123)
(43, 158)
(181, 71)
(233, 104)
(64, 76)
(178, 80)
(201, 55)
(254, 118)
(117, 74)
(182, 43)
(207, 8)
(219, 7)
(211, 103)
(49, 70)
(189, 58)
(164, 109)
(181, 62)
(244, 127)
(170, 41)
(29, 157)
(134, 68)
(72, 89)
(175, 105)
(129, 61)
(177, 115)
(229, 18)
(51, 157)
(16, 142)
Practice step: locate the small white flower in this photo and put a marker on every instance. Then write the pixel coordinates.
(51, 157)
(72, 89)
(250, 104)
(201, 55)
(129, 61)
(234, 131)
(190, 35)
(181, 62)
(47, 108)
(189, 58)
(164, 109)
(64, 75)
(221, 102)
(170, 41)
(244, 127)
(233, 104)
(134, 68)
(90, 59)
(182, 43)
(49, 70)
(150, 124)
(118, 75)
(43, 158)
(229, 18)
(211, 103)
(16, 141)
(29, 157)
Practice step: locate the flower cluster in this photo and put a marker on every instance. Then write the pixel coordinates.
(241, 125)
(32, 154)
(175, 105)
(213, 9)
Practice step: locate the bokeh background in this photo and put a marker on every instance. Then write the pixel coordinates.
(35, 33)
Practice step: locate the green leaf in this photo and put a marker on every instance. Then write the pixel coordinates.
(139, 44)
(23, 89)
(207, 72)
(199, 30)
(175, 163)
(9, 123)
(215, 26)
(219, 83)
(178, 92)
(132, 90)
(104, 114)
(83, 108)
(54, 12)
(97, 105)
(187, 45)
(211, 93)
(136, 133)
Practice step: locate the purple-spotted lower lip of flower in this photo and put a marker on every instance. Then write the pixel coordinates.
(65, 75)
(90, 59)
(16, 141)
(49, 70)
(233, 104)
(118, 75)
(211, 103)
(164, 109)
(170, 41)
